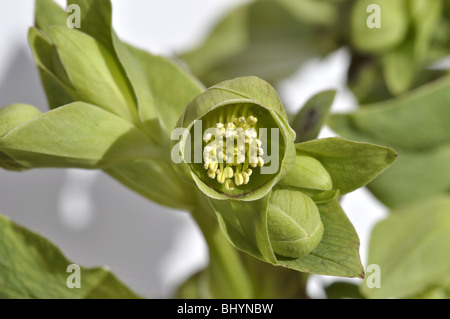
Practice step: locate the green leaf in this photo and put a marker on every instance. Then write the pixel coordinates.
(162, 87)
(411, 247)
(157, 181)
(57, 86)
(14, 115)
(94, 73)
(416, 124)
(311, 117)
(337, 253)
(415, 121)
(392, 31)
(47, 14)
(351, 165)
(171, 87)
(293, 223)
(414, 177)
(32, 267)
(96, 20)
(77, 135)
(10, 117)
(244, 223)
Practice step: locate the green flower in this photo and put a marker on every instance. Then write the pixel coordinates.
(235, 141)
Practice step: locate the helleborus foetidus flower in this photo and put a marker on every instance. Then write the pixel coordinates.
(223, 147)
(234, 140)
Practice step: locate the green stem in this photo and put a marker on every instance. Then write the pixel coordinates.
(228, 277)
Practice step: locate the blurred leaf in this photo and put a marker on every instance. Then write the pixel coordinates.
(416, 124)
(435, 293)
(415, 121)
(351, 165)
(267, 39)
(312, 11)
(32, 267)
(392, 31)
(402, 65)
(77, 135)
(414, 177)
(425, 18)
(343, 290)
(94, 73)
(157, 181)
(337, 253)
(309, 120)
(412, 249)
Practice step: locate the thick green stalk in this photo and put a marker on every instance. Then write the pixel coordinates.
(227, 275)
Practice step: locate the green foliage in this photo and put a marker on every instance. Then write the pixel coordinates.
(33, 268)
(114, 107)
(411, 248)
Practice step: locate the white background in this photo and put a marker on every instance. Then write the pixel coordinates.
(95, 220)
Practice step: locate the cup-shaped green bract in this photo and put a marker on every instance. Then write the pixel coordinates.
(234, 140)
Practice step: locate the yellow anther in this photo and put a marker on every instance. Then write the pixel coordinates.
(251, 120)
(260, 161)
(246, 177)
(220, 177)
(211, 174)
(229, 185)
(228, 172)
(207, 163)
(238, 179)
(213, 166)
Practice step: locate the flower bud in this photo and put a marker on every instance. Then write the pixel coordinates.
(294, 223)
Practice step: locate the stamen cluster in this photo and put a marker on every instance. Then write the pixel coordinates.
(231, 149)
